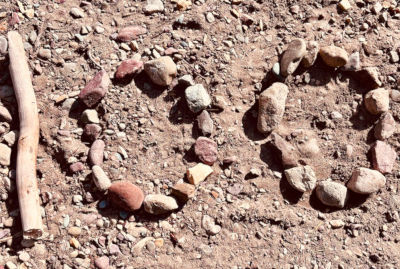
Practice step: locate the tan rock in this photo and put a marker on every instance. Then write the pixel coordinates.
(198, 173)
(311, 54)
(366, 181)
(334, 56)
(377, 101)
(292, 57)
(161, 71)
(183, 191)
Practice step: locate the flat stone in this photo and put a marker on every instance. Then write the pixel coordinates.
(205, 123)
(332, 193)
(95, 90)
(5, 155)
(292, 57)
(302, 178)
(128, 68)
(385, 127)
(311, 54)
(183, 191)
(157, 204)
(206, 150)
(198, 173)
(77, 13)
(366, 181)
(161, 71)
(74, 231)
(377, 101)
(130, 33)
(90, 116)
(334, 56)
(272, 103)
(126, 195)
(197, 98)
(383, 157)
(100, 178)
(153, 6)
(96, 152)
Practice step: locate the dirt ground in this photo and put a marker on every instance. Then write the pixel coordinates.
(265, 223)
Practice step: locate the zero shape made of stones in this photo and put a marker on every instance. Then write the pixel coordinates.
(206, 150)
(334, 56)
(292, 57)
(95, 89)
(126, 195)
(161, 70)
(332, 194)
(366, 181)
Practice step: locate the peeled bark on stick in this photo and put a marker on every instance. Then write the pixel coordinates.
(27, 186)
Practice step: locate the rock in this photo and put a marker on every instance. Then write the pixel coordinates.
(292, 57)
(366, 181)
(161, 70)
(198, 173)
(210, 17)
(206, 150)
(311, 54)
(369, 77)
(197, 98)
(209, 225)
(10, 265)
(336, 223)
(377, 101)
(394, 56)
(74, 231)
(95, 89)
(5, 115)
(5, 155)
(153, 6)
(205, 123)
(289, 154)
(100, 178)
(90, 116)
(383, 157)
(130, 33)
(334, 56)
(385, 127)
(183, 191)
(354, 62)
(309, 148)
(157, 204)
(126, 195)
(102, 262)
(276, 70)
(344, 5)
(332, 193)
(96, 152)
(11, 137)
(77, 13)
(3, 45)
(128, 68)
(186, 81)
(272, 103)
(302, 178)
(92, 131)
(44, 54)
(76, 167)
(24, 256)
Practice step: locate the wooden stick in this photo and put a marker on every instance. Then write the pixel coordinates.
(27, 187)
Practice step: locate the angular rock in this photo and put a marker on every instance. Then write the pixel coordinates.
(96, 152)
(366, 181)
(126, 195)
(205, 123)
(302, 178)
(206, 150)
(161, 70)
(354, 62)
(197, 98)
(383, 157)
(289, 154)
(76, 167)
(77, 13)
(186, 81)
(92, 131)
(377, 101)
(183, 191)
(292, 57)
(209, 225)
(334, 56)
(95, 89)
(5, 155)
(157, 204)
(130, 33)
(385, 127)
(128, 68)
(344, 5)
(272, 103)
(369, 77)
(5, 115)
(153, 6)
(198, 173)
(311, 54)
(102, 262)
(11, 137)
(90, 116)
(332, 193)
(100, 178)
(3, 45)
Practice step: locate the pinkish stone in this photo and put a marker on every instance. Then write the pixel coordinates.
(96, 152)
(102, 262)
(14, 19)
(131, 32)
(76, 167)
(206, 150)
(366, 181)
(383, 157)
(170, 51)
(385, 127)
(95, 89)
(126, 195)
(92, 131)
(128, 68)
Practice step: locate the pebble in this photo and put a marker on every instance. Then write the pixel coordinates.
(383, 157)
(74, 243)
(366, 181)
(77, 13)
(209, 225)
(159, 242)
(198, 173)
(197, 98)
(128, 68)
(377, 101)
(3, 45)
(332, 193)
(153, 6)
(344, 5)
(11, 137)
(161, 71)
(131, 32)
(157, 204)
(302, 178)
(394, 56)
(205, 123)
(210, 17)
(276, 70)
(288, 153)
(354, 62)
(76, 167)
(183, 191)
(292, 57)
(10, 265)
(186, 81)
(336, 224)
(311, 54)
(385, 127)
(90, 116)
(206, 150)
(96, 152)
(44, 54)
(5, 155)
(334, 56)
(74, 231)
(126, 195)
(102, 262)
(272, 103)
(24, 256)
(92, 131)
(100, 178)
(95, 90)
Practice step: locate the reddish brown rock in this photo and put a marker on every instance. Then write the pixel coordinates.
(385, 127)
(92, 131)
(95, 89)
(96, 152)
(131, 32)
(128, 68)
(383, 157)
(289, 154)
(206, 150)
(126, 195)
(76, 167)
(205, 123)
